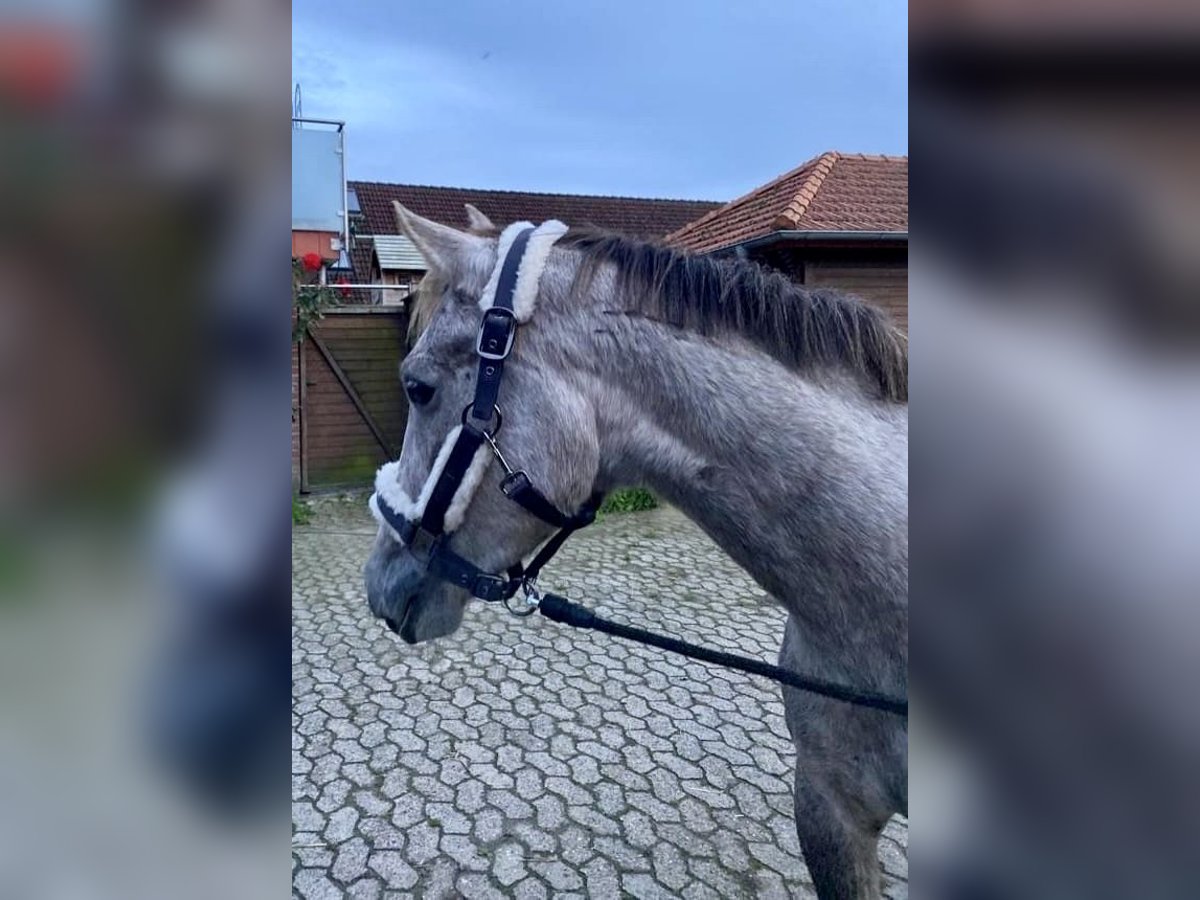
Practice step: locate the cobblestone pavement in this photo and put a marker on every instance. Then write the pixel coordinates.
(519, 758)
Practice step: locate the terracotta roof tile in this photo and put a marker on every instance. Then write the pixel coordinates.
(635, 216)
(833, 192)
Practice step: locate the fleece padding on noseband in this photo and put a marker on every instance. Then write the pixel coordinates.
(529, 273)
(387, 486)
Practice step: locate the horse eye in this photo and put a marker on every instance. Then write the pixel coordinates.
(419, 393)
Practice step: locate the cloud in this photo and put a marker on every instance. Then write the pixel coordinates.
(612, 98)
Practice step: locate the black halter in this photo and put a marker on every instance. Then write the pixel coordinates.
(427, 537)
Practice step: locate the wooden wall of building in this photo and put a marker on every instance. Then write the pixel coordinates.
(883, 285)
(877, 274)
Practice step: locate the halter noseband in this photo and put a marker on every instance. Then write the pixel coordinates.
(426, 525)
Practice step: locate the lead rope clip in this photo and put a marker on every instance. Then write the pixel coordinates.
(496, 450)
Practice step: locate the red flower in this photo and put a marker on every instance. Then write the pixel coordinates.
(345, 292)
(312, 262)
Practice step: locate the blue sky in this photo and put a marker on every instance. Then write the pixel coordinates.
(696, 99)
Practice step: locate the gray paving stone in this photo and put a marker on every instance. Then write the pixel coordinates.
(305, 817)
(365, 889)
(602, 879)
(382, 834)
(508, 864)
(488, 826)
(593, 821)
(372, 804)
(421, 844)
(551, 813)
(575, 846)
(392, 868)
(341, 825)
(531, 889)
(311, 857)
(540, 843)
(464, 851)
(518, 759)
(644, 887)
(438, 880)
(639, 829)
(351, 862)
(313, 884)
(670, 868)
(893, 858)
(557, 874)
(510, 804)
(621, 853)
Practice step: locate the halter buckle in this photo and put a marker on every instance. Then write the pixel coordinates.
(498, 329)
(514, 483)
(490, 588)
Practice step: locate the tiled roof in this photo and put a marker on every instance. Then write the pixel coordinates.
(636, 216)
(834, 192)
(360, 256)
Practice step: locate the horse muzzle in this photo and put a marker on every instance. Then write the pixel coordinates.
(393, 580)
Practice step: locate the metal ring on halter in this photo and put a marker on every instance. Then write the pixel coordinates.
(499, 420)
(533, 599)
(520, 612)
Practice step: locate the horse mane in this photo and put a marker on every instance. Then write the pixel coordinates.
(423, 303)
(712, 295)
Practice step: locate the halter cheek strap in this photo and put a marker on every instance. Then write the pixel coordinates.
(425, 524)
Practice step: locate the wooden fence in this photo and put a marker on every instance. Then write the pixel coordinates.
(349, 410)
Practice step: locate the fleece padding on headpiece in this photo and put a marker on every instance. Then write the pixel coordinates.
(529, 273)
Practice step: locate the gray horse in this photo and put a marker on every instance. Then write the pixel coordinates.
(775, 417)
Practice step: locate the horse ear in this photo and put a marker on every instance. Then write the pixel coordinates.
(443, 247)
(479, 223)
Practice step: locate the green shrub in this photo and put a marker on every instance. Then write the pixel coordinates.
(301, 511)
(628, 500)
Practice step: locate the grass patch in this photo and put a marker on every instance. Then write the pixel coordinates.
(628, 500)
(301, 511)
(16, 568)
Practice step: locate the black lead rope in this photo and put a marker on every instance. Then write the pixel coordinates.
(560, 609)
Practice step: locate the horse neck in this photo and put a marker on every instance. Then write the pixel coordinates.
(802, 481)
